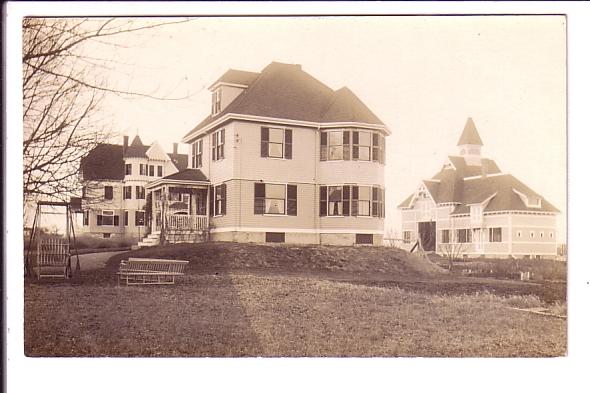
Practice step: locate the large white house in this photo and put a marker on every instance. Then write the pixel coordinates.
(471, 208)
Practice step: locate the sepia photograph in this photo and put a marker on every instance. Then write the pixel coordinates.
(292, 186)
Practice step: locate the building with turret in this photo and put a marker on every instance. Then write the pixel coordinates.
(471, 208)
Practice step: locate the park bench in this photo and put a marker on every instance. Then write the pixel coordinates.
(136, 271)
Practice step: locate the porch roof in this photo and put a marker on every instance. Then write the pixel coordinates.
(186, 177)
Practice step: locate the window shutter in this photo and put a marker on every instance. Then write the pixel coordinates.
(346, 200)
(383, 203)
(323, 146)
(375, 202)
(259, 196)
(288, 144)
(346, 145)
(264, 142)
(383, 152)
(291, 200)
(211, 201)
(116, 220)
(213, 147)
(355, 201)
(99, 219)
(323, 201)
(376, 147)
(223, 198)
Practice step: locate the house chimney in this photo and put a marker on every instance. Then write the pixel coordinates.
(175, 148)
(125, 142)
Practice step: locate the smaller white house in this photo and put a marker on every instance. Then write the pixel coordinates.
(114, 198)
(472, 209)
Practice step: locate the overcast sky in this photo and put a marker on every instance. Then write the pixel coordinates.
(423, 76)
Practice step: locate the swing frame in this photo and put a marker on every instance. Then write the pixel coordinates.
(51, 253)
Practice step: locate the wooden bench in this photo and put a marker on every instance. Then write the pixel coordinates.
(136, 271)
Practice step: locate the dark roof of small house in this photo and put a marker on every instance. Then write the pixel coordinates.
(187, 174)
(106, 162)
(237, 77)
(103, 162)
(179, 160)
(136, 148)
(285, 91)
(470, 136)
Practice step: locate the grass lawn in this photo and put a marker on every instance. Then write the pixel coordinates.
(224, 308)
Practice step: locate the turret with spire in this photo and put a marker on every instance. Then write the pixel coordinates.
(470, 144)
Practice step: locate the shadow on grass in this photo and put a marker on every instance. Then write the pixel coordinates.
(202, 315)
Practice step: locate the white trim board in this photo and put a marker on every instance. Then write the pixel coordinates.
(297, 230)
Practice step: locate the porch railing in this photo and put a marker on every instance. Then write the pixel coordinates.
(187, 222)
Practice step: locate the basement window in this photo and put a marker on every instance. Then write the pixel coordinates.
(275, 237)
(364, 238)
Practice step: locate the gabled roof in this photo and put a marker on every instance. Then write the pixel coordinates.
(285, 91)
(179, 160)
(477, 190)
(470, 136)
(189, 174)
(237, 77)
(345, 106)
(107, 161)
(104, 162)
(136, 148)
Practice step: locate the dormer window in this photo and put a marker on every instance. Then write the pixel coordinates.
(216, 102)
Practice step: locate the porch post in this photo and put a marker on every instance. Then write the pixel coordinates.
(208, 202)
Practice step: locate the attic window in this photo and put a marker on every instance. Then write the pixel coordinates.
(216, 102)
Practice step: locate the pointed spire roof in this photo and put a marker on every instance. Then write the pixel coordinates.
(136, 148)
(470, 136)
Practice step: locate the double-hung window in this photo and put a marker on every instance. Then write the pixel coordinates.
(151, 170)
(276, 143)
(445, 236)
(127, 192)
(143, 169)
(217, 145)
(108, 193)
(160, 170)
(197, 154)
(495, 235)
(339, 145)
(361, 145)
(275, 199)
(85, 216)
(139, 218)
(361, 201)
(107, 218)
(128, 169)
(216, 102)
(218, 200)
(464, 235)
(139, 192)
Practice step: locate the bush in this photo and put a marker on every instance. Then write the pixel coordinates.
(91, 242)
(541, 269)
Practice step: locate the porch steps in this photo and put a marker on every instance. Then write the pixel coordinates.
(153, 239)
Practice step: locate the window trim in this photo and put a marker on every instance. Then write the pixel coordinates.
(112, 214)
(492, 235)
(286, 200)
(217, 146)
(135, 216)
(222, 200)
(137, 194)
(125, 189)
(112, 192)
(197, 154)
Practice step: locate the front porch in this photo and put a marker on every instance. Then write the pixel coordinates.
(178, 208)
